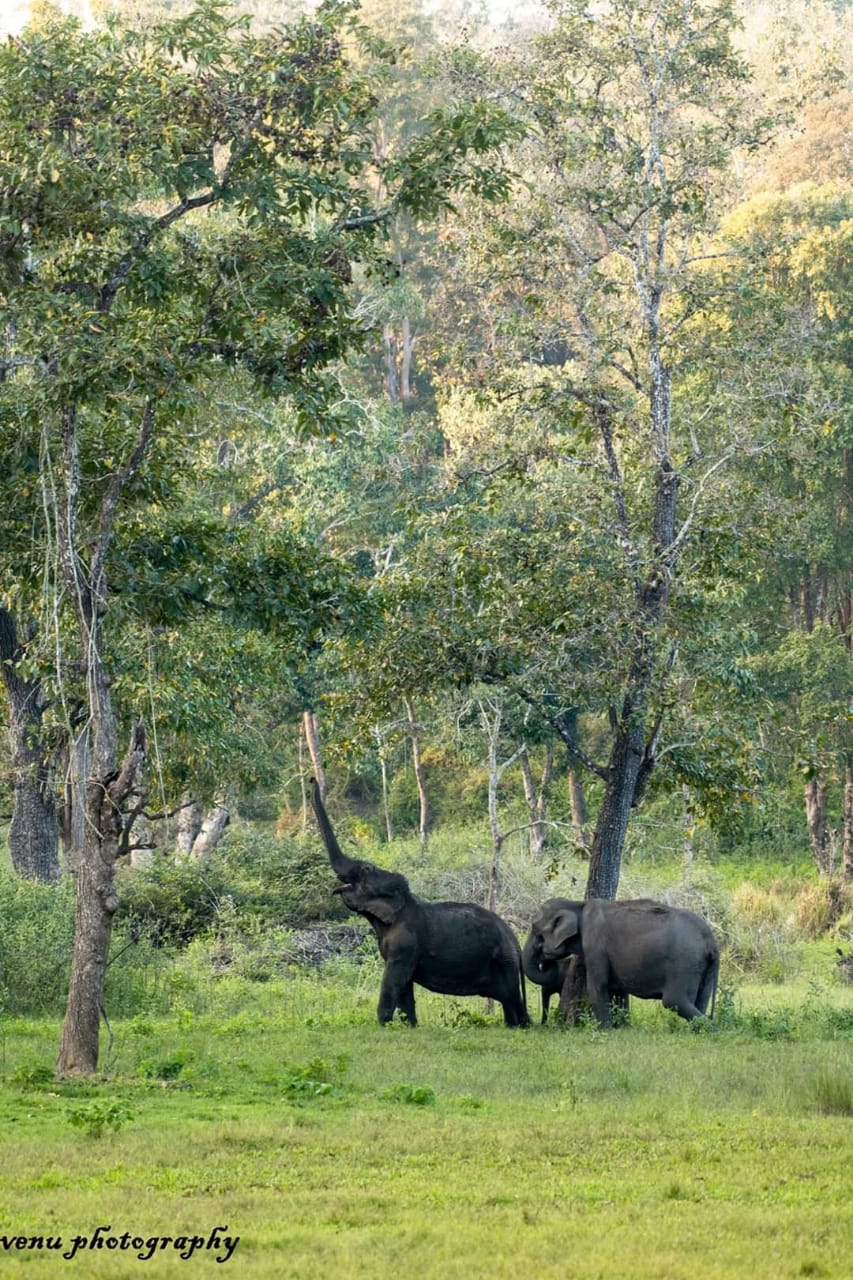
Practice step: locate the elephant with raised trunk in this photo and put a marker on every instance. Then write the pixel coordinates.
(634, 948)
(455, 948)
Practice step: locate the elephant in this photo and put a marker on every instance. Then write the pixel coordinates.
(455, 948)
(631, 948)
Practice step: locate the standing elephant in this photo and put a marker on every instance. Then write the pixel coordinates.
(635, 948)
(455, 948)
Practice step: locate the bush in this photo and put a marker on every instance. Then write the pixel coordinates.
(35, 944)
(267, 881)
(822, 905)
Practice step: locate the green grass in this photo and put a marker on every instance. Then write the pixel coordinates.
(332, 1146)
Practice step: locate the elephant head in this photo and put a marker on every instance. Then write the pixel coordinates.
(554, 935)
(379, 895)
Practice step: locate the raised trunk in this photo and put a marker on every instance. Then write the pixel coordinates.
(33, 833)
(420, 777)
(817, 819)
(341, 864)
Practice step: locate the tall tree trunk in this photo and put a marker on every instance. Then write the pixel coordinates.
(847, 834)
(537, 801)
(392, 377)
(383, 769)
(74, 794)
(817, 818)
(408, 350)
(97, 902)
(33, 833)
(580, 813)
(311, 729)
(189, 825)
(211, 832)
(420, 776)
(109, 789)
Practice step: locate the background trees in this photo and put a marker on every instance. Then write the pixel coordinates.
(604, 496)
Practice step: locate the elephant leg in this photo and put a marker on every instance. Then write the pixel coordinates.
(396, 991)
(599, 998)
(515, 1015)
(406, 1004)
(546, 1000)
(678, 1000)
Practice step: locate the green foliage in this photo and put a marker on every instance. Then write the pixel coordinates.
(35, 944)
(318, 1078)
(412, 1095)
(95, 1118)
(169, 1068)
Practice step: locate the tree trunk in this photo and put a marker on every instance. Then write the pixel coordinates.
(33, 833)
(847, 835)
(580, 813)
(420, 776)
(97, 902)
(623, 772)
(108, 788)
(74, 795)
(189, 825)
(383, 769)
(817, 818)
(392, 377)
(212, 831)
(537, 802)
(312, 738)
(408, 346)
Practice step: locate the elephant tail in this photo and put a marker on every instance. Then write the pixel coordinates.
(710, 980)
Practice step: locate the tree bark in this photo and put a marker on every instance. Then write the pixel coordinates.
(33, 833)
(580, 813)
(189, 825)
(97, 902)
(537, 801)
(211, 832)
(408, 350)
(420, 776)
(847, 835)
(817, 818)
(392, 377)
(312, 738)
(74, 794)
(108, 788)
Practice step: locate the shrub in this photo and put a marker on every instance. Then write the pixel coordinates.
(35, 944)
(821, 905)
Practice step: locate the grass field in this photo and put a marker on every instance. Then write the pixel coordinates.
(280, 1113)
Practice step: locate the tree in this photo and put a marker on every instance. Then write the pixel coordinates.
(123, 293)
(581, 321)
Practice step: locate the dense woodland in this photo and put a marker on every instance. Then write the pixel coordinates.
(453, 408)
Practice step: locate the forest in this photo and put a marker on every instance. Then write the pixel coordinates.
(441, 412)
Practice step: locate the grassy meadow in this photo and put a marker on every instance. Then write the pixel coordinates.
(281, 1113)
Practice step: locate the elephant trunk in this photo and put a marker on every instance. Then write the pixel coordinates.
(544, 973)
(342, 866)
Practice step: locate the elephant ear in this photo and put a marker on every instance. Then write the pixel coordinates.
(564, 927)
